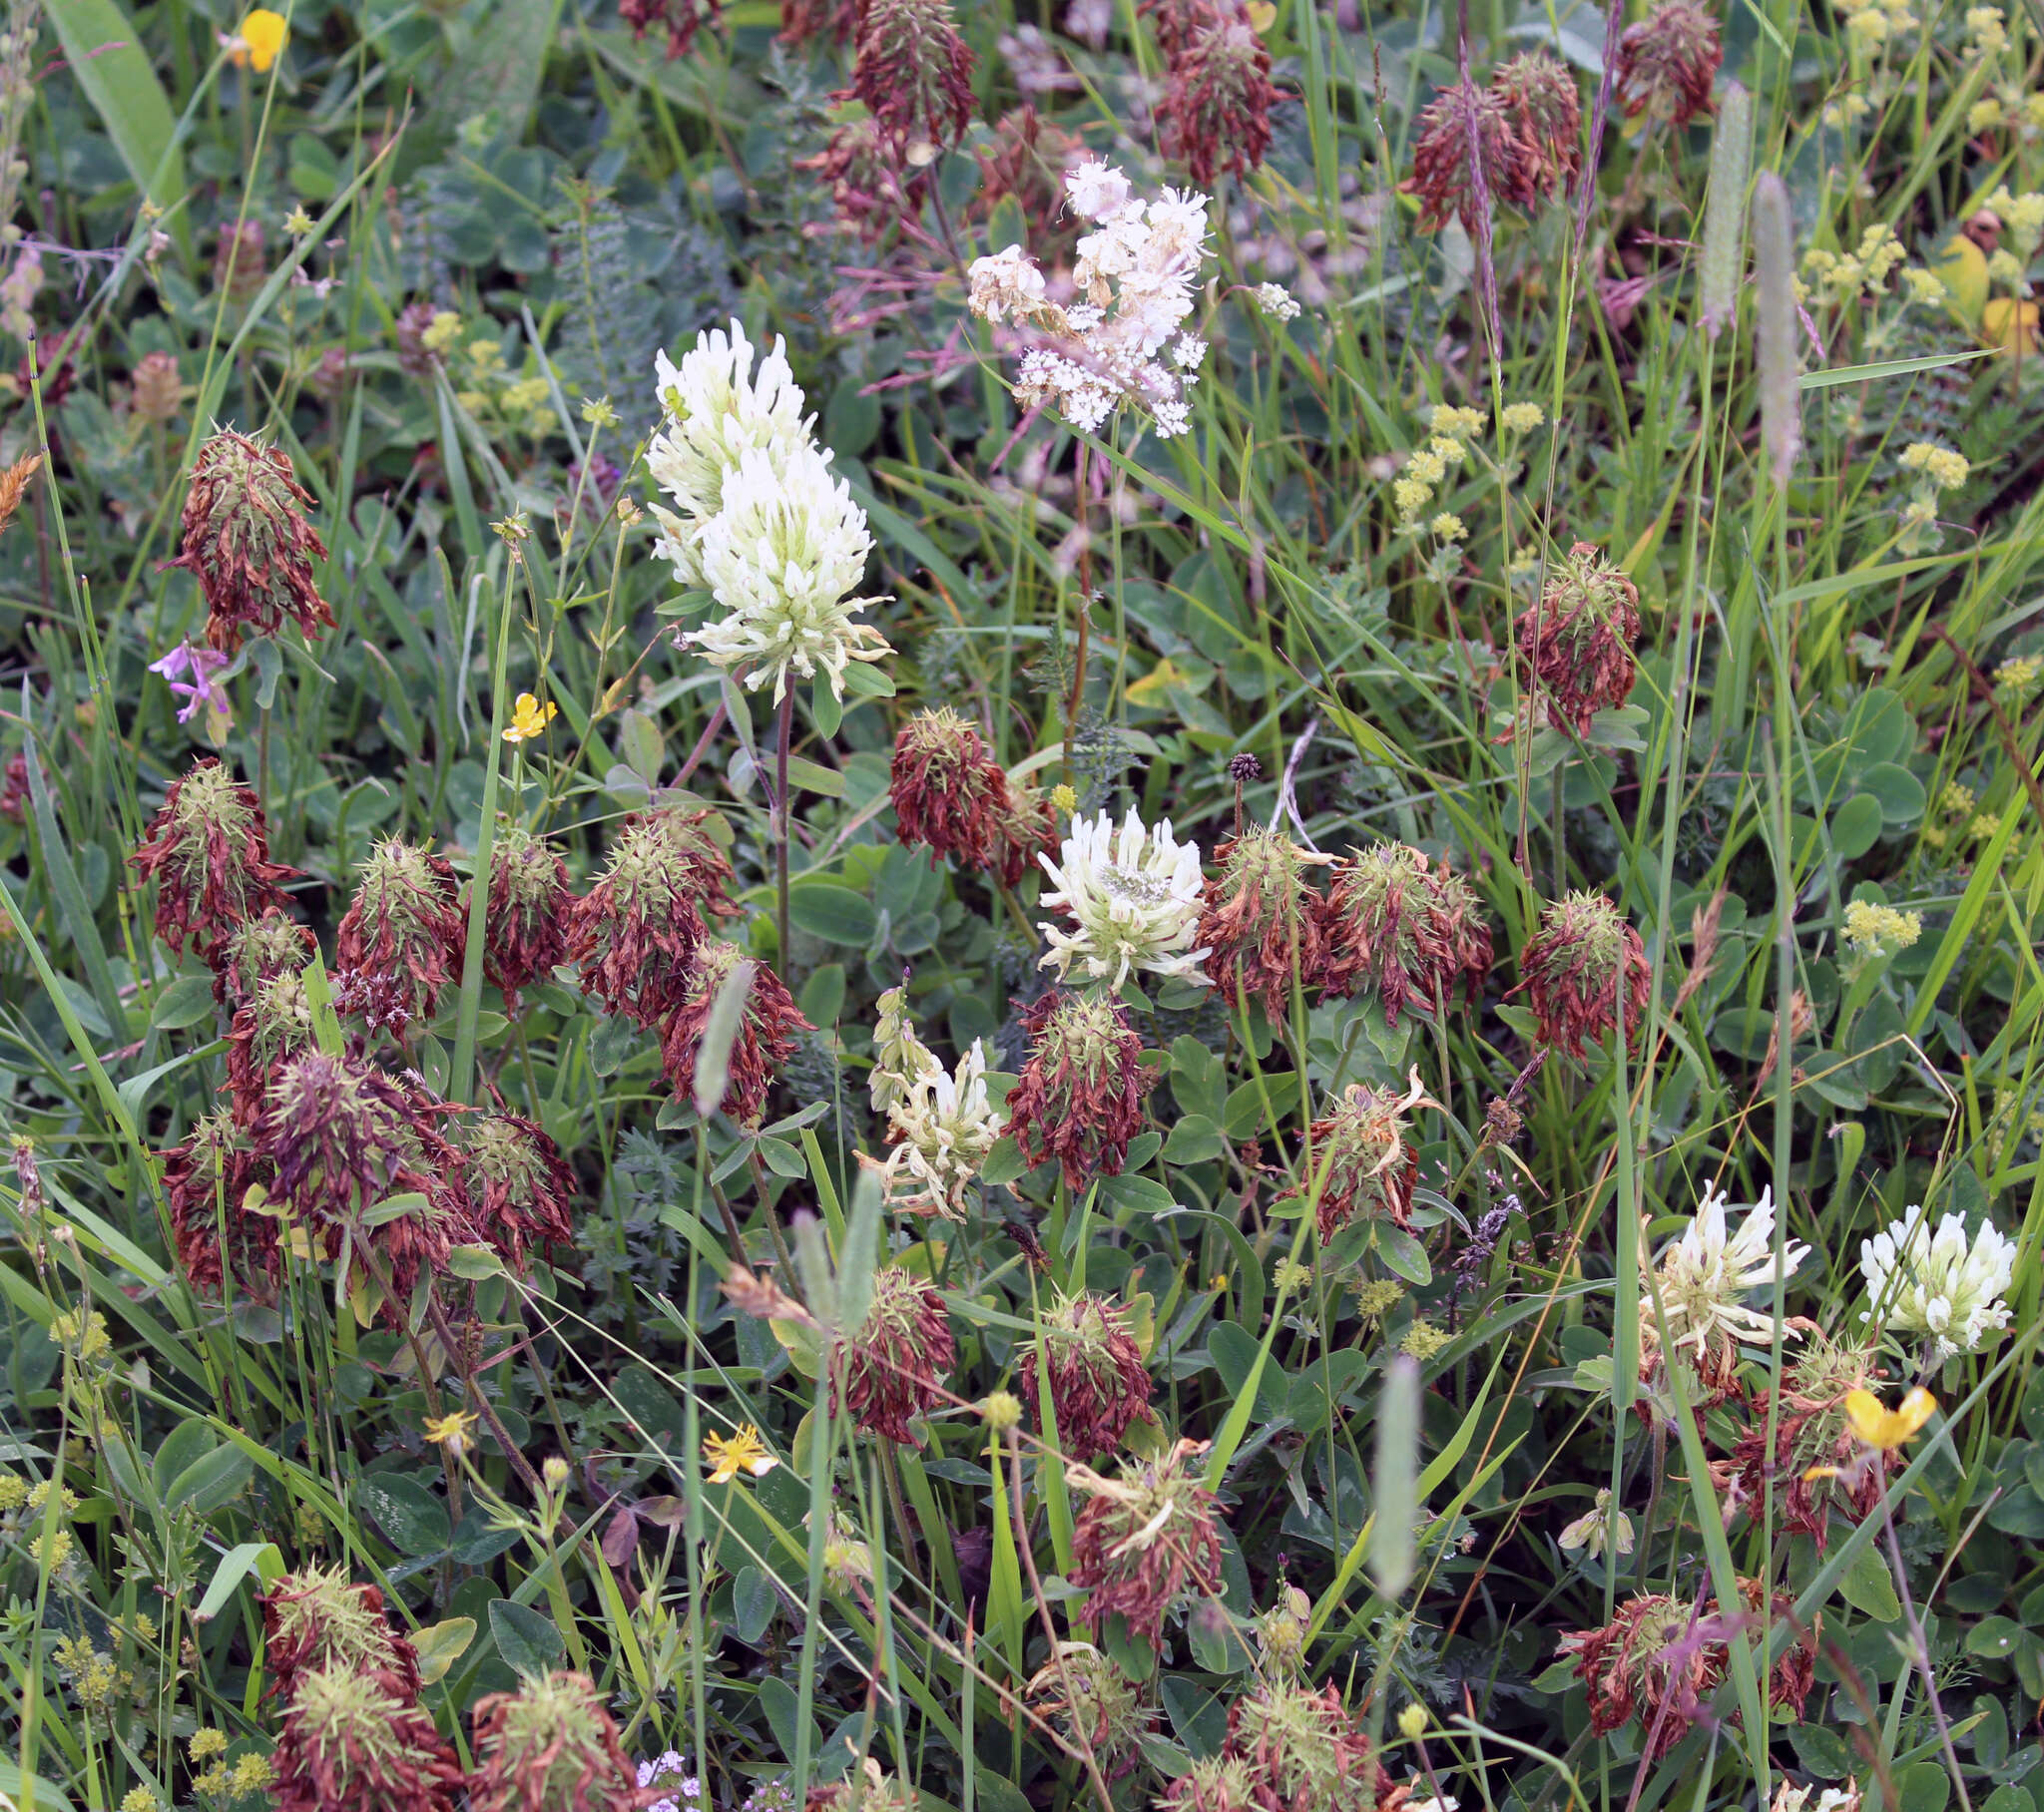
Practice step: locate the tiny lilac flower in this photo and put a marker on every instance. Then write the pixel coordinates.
(670, 1769)
(189, 672)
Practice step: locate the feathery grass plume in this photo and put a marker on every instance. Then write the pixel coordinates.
(400, 941)
(318, 1617)
(1364, 1162)
(256, 949)
(948, 792)
(1724, 255)
(208, 850)
(1667, 62)
(1216, 111)
(913, 72)
(1144, 1540)
(1466, 152)
(1580, 967)
(1578, 638)
(1661, 1657)
(205, 1181)
(1817, 1465)
(1260, 921)
(891, 1366)
(248, 543)
(679, 19)
(1304, 1751)
(1404, 928)
(636, 929)
(1775, 329)
(272, 1026)
(354, 1741)
(1539, 97)
(1079, 1097)
(1085, 1692)
(768, 1024)
(530, 913)
(519, 1189)
(14, 484)
(1099, 1385)
(550, 1746)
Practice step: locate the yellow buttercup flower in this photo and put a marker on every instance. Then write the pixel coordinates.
(1875, 1423)
(742, 1452)
(529, 718)
(261, 41)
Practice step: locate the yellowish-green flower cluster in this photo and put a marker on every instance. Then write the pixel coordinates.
(2022, 218)
(1873, 25)
(1940, 467)
(1986, 35)
(84, 1336)
(94, 1679)
(2016, 678)
(140, 1799)
(1376, 1298)
(1447, 525)
(1845, 277)
(492, 394)
(210, 1773)
(1873, 929)
(1422, 1341)
(1453, 428)
(1522, 418)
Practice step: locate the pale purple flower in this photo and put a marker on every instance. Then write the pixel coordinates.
(189, 672)
(672, 1769)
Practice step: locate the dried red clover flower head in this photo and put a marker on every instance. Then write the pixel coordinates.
(1025, 828)
(1215, 112)
(1145, 1539)
(891, 1364)
(259, 948)
(1366, 1164)
(1026, 157)
(914, 73)
(1096, 1704)
(770, 1028)
(1584, 961)
(637, 928)
(1213, 1783)
(1667, 62)
(342, 1136)
(270, 1026)
(318, 1618)
(1578, 638)
(1405, 926)
(206, 1179)
(1661, 1657)
(802, 20)
(14, 790)
(248, 543)
(529, 914)
(862, 167)
(414, 356)
(1539, 98)
(1467, 156)
(1099, 1384)
(400, 942)
(356, 1741)
(208, 854)
(550, 1747)
(947, 791)
(518, 1188)
(1261, 924)
(1304, 1751)
(1079, 1097)
(1819, 1462)
(679, 19)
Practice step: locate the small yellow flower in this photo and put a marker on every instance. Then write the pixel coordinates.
(206, 1744)
(260, 42)
(1873, 1423)
(1449, 527)
(450, 1431)
(1412, 1722)
(742, 1452)
(1001, 1410)
(529, 718)
(440, 332)
(1065, 797)
(1523, 418)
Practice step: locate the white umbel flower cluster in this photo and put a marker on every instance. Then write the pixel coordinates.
(1941, 1283)
(758, 520)
(1139, 272)
(1704, 1278)
(940, 1124)
(1133, 896)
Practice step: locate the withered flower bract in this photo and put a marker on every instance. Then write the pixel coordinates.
(1364, 1160)
(1080, 1095)
(638, 927)
(248, 543)
(529, 916)
(1404, 927)
(518, 1187)
(318, 1618)
(1099, 1384)
(208, 850)
(890, 1365)
(769, 1025)
(400, 941)
(550, 1746)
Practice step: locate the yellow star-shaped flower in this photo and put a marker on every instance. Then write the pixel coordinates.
(529, 718)
(1873, 1423)
(742, 1452)
(450, 1431)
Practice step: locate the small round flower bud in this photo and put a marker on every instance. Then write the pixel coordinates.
(1412, 1722)
(554, 1471)
(1001, 1411)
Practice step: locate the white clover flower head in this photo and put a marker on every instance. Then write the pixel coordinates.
(713, 410)
(942, 1126)
(782, 555)
(1007, 282)
(1133, 896)
(1095, 189)
(1589, 1532)
(1276, 301)
(1940, 1284)
(1706, 1275)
